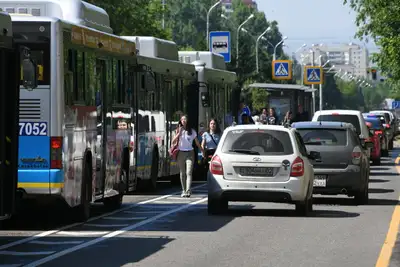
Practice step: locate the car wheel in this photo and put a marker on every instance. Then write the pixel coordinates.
(361, 197)
(391, 144)
(304, 208)
(217, 206)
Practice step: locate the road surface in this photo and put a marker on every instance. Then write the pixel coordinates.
(167, 231)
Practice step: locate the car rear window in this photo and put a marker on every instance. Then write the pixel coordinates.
(258, 142)
(376, 123)
(353, 119)
(324, 137)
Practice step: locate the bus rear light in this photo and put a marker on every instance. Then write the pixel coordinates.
(56, 152)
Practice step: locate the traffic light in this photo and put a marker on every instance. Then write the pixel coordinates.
(373, 72)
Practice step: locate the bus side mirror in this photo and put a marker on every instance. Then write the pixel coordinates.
(30, 74)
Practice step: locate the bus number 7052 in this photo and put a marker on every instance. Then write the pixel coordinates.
(33, 128)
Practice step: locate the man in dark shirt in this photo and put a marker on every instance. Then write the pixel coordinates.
(301, 115)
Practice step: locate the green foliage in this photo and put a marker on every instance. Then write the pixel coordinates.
(380, 20)
(135, 18)
(259, 98)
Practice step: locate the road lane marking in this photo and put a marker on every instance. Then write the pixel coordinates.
(51, 232)
(141, 212)
(112, 234)
(391, 237)
(82, 233)
(106, 225)
(38, 242)
(19, 253)
(125, 218)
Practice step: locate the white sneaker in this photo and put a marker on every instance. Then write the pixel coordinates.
(183, 194)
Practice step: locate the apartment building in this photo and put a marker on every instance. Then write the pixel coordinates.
(351, 58)
(227, 5)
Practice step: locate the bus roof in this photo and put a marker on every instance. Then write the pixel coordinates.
(75, 11)
(154, 47)
(210, 59)
(5, 24)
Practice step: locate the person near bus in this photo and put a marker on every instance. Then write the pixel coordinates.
(185, 137)
(272, 118)
(211, 139)
(287, 121)
(246, 119)
(264, 116)
(243, 109)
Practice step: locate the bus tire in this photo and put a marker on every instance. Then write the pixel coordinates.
(154, 170)
(83, 210)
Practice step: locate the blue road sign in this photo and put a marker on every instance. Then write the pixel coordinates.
(282, 70)
(313, 75)
(396, 104)
(220, 43)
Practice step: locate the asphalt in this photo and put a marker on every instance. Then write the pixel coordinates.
(175, 232)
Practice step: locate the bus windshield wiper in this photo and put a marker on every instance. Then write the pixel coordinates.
(245, 151)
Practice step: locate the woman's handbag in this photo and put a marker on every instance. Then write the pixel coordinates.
(174, 149)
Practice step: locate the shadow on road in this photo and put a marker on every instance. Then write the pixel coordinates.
(380, 191)
(241, 212)
(378, 181)
(345, 201)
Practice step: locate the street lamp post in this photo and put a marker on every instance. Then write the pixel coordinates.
(312, 86)
(237, 38)
(276, 46)
(258, 40)
(208, 22)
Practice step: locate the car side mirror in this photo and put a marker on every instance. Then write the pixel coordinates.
(314, 155)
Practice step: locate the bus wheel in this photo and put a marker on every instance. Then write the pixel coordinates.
(154, 171)
(83, 210)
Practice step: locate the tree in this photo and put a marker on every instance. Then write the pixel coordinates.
(379, 19)
(135, 18)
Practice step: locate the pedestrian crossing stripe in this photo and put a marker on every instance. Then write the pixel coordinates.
(281, 71)
(313, 77)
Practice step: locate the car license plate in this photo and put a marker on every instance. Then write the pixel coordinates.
(320, 181)
(256, 171)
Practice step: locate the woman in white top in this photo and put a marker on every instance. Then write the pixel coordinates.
(185, 158)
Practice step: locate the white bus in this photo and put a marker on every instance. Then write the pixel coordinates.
(216, 87)
(165, 93)
(68, 148)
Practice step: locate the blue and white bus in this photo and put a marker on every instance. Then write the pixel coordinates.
(68, 147)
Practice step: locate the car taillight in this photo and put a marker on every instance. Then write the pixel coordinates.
(378, 132)
(216, 166)
(356, 155)
(297, 168)
(387, 126)
(56, 152)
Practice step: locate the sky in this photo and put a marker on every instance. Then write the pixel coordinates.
(313, 22)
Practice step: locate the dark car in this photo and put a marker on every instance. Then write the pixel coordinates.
(343, 166)
(378, 130)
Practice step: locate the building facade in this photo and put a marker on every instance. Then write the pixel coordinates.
(350, 58)
(227, 5)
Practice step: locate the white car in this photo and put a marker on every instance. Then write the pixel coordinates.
(263, 163)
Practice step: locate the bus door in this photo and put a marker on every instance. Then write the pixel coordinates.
(101, 125)
(192, 98)
(9, 99)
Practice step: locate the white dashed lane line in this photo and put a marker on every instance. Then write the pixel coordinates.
(32, 251)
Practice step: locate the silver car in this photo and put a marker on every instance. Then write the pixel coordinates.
(264, 163)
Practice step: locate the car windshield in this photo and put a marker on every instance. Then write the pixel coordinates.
(325, 137)
(375, 123)
(353, 119)
(257, 142)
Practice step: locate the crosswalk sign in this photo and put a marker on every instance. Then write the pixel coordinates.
(282, 70)
(313, 75)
